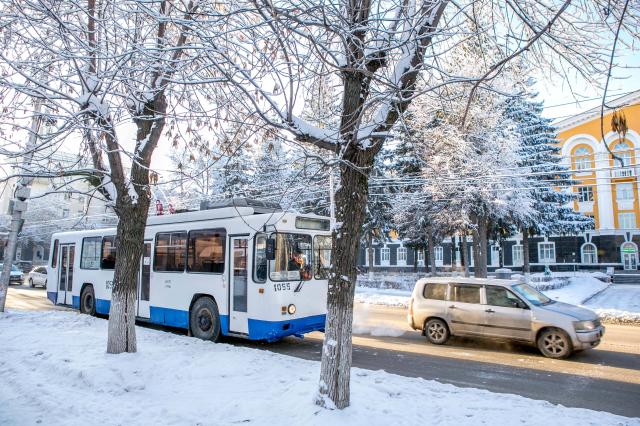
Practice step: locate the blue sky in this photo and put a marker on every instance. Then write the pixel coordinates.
(560, 102)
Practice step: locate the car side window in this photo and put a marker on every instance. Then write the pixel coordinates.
(465, 293)
(500, 296)
(435, 291)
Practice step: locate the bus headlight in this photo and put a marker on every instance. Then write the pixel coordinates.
(291, 309)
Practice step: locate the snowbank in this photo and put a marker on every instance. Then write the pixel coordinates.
(619, 304)
(388, 297)
(579, 289)
(54, 371)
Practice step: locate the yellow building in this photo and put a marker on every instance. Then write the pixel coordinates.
(607, 188)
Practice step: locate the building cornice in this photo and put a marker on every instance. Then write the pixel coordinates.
(593, 113)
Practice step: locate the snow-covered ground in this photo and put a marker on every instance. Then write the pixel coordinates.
(618, 304)
(54, 371)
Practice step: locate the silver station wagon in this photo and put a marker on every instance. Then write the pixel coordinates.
(505, 309)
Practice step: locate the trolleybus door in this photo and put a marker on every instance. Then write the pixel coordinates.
(238, 285)
(144, 282)
(65, 274)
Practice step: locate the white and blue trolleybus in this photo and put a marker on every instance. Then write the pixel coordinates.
(239, 267)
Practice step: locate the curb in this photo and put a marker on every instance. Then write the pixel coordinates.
(595, 294)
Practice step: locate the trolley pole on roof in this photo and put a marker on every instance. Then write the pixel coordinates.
(18, 205)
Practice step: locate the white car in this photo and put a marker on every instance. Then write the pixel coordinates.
(38, 276)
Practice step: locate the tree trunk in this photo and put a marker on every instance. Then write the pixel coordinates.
(351, 200)
(370, 255)
(132, 215)
(415, 260)
(464, 254)
(122, 314)
(526, 270)
(432, 253)
(481, 270)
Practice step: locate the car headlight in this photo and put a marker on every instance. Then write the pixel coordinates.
(584, 325)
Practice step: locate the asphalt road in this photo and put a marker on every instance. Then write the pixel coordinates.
(606, 378)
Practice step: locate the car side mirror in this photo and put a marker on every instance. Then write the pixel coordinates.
(270, 249)
(520, 304)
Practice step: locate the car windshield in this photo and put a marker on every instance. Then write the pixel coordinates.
(531, 294)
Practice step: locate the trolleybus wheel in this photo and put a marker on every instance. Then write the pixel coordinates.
(204, 319)
(88, 301)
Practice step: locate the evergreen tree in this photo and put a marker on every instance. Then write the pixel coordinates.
(539, 153)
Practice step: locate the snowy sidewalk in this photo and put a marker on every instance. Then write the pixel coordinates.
(619, 304)
(54, 371)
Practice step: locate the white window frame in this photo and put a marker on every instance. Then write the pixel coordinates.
(438, 253)
(582, 159)
(589, 258)
(401, 256)
(585, 190)
(517, 260)
(542, 248)
(495, 255)
(385, 256)
(622, 223)
(627, 192)
(366, 255)
(420, 255)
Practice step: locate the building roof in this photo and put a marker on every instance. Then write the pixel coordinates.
(593, 113)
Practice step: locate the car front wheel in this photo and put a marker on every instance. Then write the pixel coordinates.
(555, 343)
(436, 331)
(31, 283)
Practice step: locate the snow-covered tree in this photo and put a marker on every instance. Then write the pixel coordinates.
(548, 177)
(112, 75)
(375, 50)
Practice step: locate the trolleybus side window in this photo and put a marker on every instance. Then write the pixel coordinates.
(108, 260)
(206, 251)
(260, 259)
(54, 256)
(170, 252)
(293, 257)
(321, 256)
(90, 256)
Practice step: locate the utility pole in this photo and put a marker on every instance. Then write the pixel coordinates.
(18, 204)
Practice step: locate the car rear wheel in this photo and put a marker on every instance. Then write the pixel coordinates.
(436, 331)
(88, 301)
(555, 343)
(204, 319)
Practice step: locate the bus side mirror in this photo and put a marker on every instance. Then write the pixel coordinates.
(271, 249)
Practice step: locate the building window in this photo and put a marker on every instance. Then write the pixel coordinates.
(420, 253)
(439, 254)
(370, 252)
(585, 193)
(516, 252)
(206, 251)
(18, 253)
(624, 191)
(622, 151)
(547, 252)
(402, 255)
(582, 159)
(65, 213)
(170, 252)
(385, 255)
(626, 220)
(589, 253)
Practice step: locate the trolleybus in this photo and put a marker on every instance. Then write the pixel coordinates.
(237, 268)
